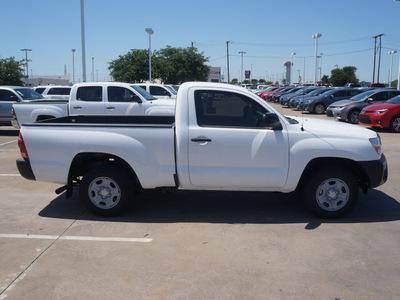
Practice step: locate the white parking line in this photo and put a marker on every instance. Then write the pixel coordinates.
(7, 143)
(76, 238)
(10, 175)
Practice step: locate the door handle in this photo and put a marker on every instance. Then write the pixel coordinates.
(77, 107)
(197, 140)
(111, 107)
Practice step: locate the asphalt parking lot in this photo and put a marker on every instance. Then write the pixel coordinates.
(184, 245)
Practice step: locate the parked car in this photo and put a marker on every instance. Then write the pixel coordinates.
(294, 102)
(383, 115)
(269, 96)
(13, 94)
(159, 91)
(54, 92)
(276, 98)
(304, 91)
(264, 94)
(319, 104)
(350, 85)
(376, 85)
(349, 110)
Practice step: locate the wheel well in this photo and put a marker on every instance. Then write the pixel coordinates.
(350, 165)
(398, 115)
(85, 161)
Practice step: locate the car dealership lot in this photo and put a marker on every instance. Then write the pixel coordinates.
(185, 245)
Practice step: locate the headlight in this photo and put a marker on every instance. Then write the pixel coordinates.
(381, 111)
(309, 101)
(376, 143)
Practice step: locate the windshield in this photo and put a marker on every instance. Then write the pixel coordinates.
(143, 93)
(328, 93)
(362, 95)
(28, 94)
(300, 92)
(170, 89)
(317, 92)
(395, 100)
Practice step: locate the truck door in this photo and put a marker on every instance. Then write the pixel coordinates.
(229, 148)
(89, 101)
(122, 101)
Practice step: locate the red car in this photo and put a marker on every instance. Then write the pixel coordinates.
(268, 97)
(383, 115)
(272, 91)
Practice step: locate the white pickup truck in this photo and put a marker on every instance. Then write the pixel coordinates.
(221, 138)
(94, 98)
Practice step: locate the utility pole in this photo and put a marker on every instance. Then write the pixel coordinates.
(26, 59)
(241, 73)
(376, 49)
(227, 58)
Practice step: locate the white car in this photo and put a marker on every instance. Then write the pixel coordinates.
(54, 92)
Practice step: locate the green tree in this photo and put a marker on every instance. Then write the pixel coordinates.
(131, 67)
(339, 77)
(234, 81)
(325, 78)
(178, 65)
(262, 81)
(254, 81)
(11, 71)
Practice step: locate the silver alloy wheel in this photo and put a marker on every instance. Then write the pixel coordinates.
(332, 194)
(104, 192)
(319, 108)
(354, 117)
(396, 124)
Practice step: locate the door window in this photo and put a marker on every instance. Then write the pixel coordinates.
(159, 91)
(90, 94)
(120, 94)
(6, 95)
(227, 109)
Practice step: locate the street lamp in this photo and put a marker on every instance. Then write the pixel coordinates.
(26, 58)
(320, 67)
(83, 42)
(316, 37)
(150, 32)
(391, 66)
(291, 64)
(241, 73)
(73, 66)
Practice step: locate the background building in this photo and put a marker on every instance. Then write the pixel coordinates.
(48, 80)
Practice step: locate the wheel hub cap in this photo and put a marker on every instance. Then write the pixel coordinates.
(332, 194)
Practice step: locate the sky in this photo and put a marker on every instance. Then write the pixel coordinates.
(268, 31)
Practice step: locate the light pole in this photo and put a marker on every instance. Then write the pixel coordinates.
(241, 73)
(27, 70)
(391, 66)
(398, 75)
(83, 42)
(73, 66)
(291, 65)
(227, 59)
(92, 68)
(150, 32)
(316, 37)
(320, 67)
(251, 73)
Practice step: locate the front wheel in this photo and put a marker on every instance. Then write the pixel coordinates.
(331, 192)
(395, 124)
(354, 116)
(105, 190)
(319, 108)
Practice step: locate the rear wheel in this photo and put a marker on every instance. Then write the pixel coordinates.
(106, 190)
(319, 108)
(354, 116)
(331, 192)
(395, 124)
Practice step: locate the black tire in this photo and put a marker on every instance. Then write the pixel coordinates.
(395, 124)
(354, 116)
(106, 190)
(330, 192)
(319, 108)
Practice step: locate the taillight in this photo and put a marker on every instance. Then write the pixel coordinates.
(13, 113)
(22, 147)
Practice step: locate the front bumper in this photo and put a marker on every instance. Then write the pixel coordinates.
(376, 171)
(24, 168)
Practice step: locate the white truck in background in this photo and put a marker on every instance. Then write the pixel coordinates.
(94, 98)
(222, 138)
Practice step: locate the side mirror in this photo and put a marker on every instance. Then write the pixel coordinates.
(369, 100)
(271, 121)
(136, 98)
(14, 99)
